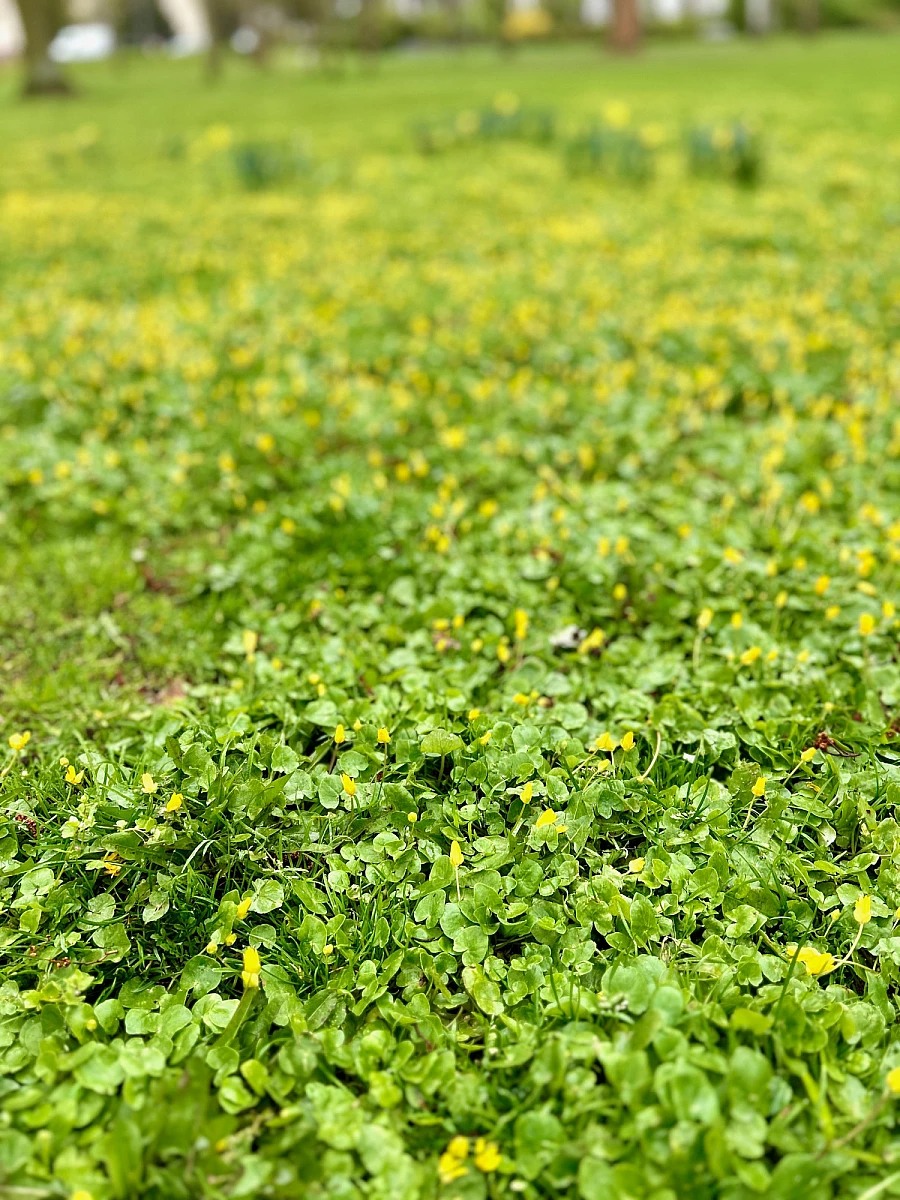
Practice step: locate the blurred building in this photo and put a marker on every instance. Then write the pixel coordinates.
(12, 36)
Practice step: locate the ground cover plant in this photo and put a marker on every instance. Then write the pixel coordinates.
(449, 674)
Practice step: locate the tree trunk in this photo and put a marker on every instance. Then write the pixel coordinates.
(370, 29)
(808, 16)
(625, 31)
(42, 19)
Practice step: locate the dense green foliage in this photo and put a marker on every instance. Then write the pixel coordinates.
(457, 595)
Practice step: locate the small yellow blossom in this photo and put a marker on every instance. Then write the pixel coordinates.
(628, 741)
(605, 742)
(521, 698)
(808, 754)
(547, 817)
(250, 973)
(636, 866)
(474, 714)
(487, 1155)
(527, 792)
(732, 556)
(211, 948)
(704, 619)
(149, 786)
(243, 908)
(72, 776)
(348, 784)
(383, 736)
(250, 640)
(862, 910)
(339, 734)
(822, 584)
(737, 620)
(456, 855)
(759, 786)
(832, 611)
(175, 802)
(750, 656)
(18, 741)
(866, 624)
(412, 817)
(892, 1079)
(520, 618)
(817, 962)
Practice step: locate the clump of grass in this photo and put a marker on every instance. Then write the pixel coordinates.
(731, 151)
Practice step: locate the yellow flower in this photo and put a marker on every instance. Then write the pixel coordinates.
(547, 817)
(737, 620)
(592, 641)
(732, 556)
(327, 951)
(866, 624)
(503, 652)
(18, 741)
(383, 736)
(781, 599)
(149, 786)
(759, 786)
(808, 754)
(750, 656)
(211, 948)
(175, 802)
(520, 617)
(822, 584)
(832, 611)
(817, 962)
(628, 741)
(862, 910)
(250, 973)
(456, 855)
(349, 785)
(888, 610)
(412, 817)
(72, 776)
(620, 591)
(450, 1168)
(636, 866)
(82, 1194)
(339, 735)
(892, 1079)
(250, 640)
(487, 1155)
(243, 908)
(605, 742)
(521, 698)
(474, 714)
(704, 619)
(527, 792)
(459, 1147)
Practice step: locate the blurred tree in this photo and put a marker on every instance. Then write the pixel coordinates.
(370, 27)
(42, 20)
(625, 30)
(223, 19)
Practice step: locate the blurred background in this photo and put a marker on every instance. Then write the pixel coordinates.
(49, 34)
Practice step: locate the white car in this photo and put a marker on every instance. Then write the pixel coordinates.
(90, 42)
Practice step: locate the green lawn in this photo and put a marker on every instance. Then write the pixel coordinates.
(449, 650)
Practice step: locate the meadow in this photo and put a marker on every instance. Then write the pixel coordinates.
(450, 666)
